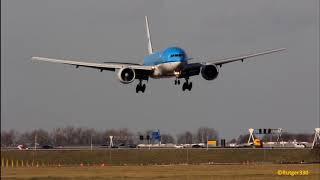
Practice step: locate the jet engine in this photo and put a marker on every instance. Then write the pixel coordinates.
(209, 72)
(126, 75)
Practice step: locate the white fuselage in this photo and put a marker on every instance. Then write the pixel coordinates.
(166, 70)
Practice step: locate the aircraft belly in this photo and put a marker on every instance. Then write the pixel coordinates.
(166, 69)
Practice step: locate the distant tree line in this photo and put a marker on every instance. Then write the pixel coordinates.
(71, 135)
(200, 136)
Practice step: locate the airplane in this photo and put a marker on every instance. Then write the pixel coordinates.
(171, 62)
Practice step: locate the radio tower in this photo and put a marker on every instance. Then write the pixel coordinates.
(251, 130)
(316, 137)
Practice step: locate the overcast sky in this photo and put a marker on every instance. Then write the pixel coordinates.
(280, 90)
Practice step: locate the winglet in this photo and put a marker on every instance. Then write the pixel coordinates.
(150, 50)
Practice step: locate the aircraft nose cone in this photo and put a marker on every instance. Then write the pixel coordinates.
(175, 54)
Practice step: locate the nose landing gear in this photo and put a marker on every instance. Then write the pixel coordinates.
(177, 82)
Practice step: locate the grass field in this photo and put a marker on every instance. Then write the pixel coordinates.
(159, 164)
(163, 156)
(164, 172)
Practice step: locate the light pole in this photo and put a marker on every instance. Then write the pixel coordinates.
(207, 142)
(91, 142)
(35, 141)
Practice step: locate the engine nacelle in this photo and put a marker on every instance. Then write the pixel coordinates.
(126, 75)
(209, 72)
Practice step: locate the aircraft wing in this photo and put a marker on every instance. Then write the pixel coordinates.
(101, 66)
(220, 62)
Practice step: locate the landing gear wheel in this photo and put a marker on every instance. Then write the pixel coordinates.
(187, 86)
(177, 82)
(190, 86)
(143, 88)
(138, 88)
(184, 86)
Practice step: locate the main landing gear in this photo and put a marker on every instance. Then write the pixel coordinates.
(187, 85)
(140, 87)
